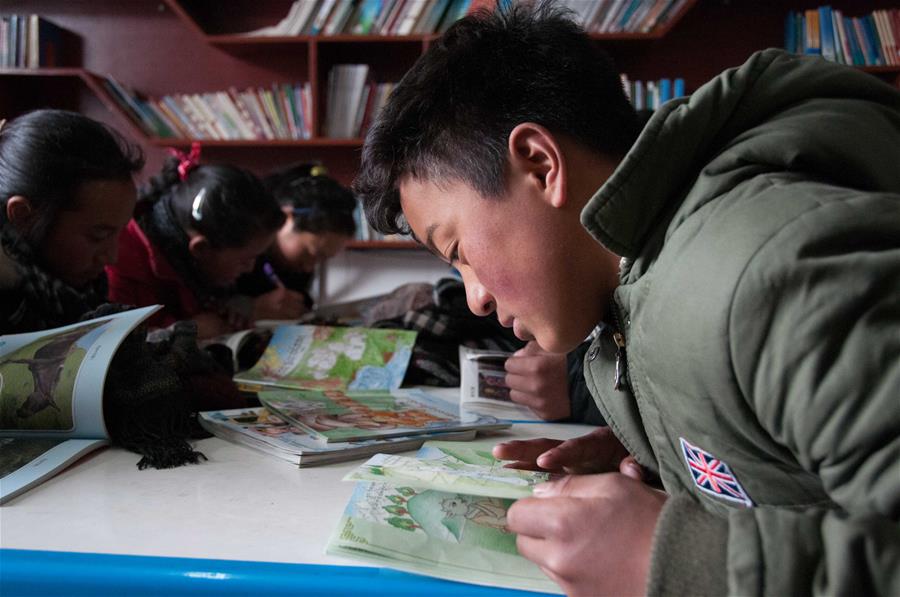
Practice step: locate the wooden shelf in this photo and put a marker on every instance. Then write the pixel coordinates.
(251, 143)
(243, 40)
(92, 81)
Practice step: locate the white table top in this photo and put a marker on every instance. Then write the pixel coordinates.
(239, 505)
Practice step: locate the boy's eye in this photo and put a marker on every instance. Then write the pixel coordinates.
(454, 254)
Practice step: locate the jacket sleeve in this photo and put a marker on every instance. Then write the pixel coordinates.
(582, 407)
(815, 344)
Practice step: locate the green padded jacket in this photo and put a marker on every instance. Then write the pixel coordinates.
(759, 313)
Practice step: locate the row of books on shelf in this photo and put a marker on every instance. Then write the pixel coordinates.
(425, 17)
(282, 111)
(650, 95)
(29, 41)
(369, 17)
(623, 16)
(353, 100)
(869, 40)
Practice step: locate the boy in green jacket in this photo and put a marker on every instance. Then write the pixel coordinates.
(739, 261)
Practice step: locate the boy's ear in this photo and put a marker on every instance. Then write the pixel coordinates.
(19, 213)
(535, 153)
(199, 247)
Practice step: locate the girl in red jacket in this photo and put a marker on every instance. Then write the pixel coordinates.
(196, 229)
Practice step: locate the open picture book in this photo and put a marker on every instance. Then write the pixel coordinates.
(442, 514)
(483, 389)
(314, 357)
(260, 430)
(342, 416)
(51, 396)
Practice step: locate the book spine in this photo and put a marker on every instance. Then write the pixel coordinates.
(826, 33)
(251, 98)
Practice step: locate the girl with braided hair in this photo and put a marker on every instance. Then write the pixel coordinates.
(196, 229)
(66, 191)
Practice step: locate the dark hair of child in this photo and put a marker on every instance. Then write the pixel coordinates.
(226, 204)
(46, 155)
(450, 116)
(318, 202)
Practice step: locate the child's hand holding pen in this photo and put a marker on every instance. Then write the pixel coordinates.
(281, 303)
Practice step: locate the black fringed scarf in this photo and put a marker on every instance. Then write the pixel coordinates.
(36, 300)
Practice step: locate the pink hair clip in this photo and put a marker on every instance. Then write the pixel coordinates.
(186, 161)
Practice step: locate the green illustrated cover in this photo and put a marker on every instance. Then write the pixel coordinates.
(333, 358)
(446, 534)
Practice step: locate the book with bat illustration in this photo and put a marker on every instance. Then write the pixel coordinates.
(51, 396)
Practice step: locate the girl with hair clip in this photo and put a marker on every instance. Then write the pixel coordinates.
(196, 229)
(66, 191)
(319, 223)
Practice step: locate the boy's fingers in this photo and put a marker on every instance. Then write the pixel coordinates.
(532, 348)
(572, 453)
(574, 486)
(630, 468)
(527, 450)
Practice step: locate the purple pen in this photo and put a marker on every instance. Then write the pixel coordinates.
(271, 275)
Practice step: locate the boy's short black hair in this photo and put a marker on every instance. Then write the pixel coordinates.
(450, 116)
(47, 155)
(319, 203)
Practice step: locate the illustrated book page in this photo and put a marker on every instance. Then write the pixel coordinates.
(482, 387)
(451, 535)
(257, 428)
(331, 358)
(339, 416)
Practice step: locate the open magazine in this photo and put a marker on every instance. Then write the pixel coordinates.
(342, 416)
(331, 358)
(482, 387)
(441, 514)
(257, 428)
(51, 396)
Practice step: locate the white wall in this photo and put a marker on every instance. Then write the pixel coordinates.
(359, 274)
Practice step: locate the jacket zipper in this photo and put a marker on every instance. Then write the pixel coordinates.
(621, 362)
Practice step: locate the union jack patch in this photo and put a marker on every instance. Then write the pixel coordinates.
(712, 475)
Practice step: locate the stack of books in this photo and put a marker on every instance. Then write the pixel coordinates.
(282, 111)
(353, 101)
(869, 40)
(29, 41)
(650, 95)
(330, 393)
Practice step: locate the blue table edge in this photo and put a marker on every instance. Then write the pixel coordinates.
(37, 572)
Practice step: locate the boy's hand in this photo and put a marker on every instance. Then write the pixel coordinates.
(540, 381)
(597, 452)
(591, 534)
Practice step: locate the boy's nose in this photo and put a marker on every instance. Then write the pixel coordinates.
(480, 301)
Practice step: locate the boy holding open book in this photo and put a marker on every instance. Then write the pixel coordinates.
(739, 260)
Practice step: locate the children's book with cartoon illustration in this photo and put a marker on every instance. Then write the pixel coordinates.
(331, 358)
(447, 534)
(343, 416)
(458, 470)
(51, 396)
(257, 428)
(482, 387)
